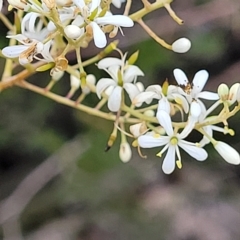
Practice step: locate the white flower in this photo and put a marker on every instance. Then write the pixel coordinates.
(171, 142)
(28, 50)
(92, 15)
(193, 91)
(122, 77)
(228, 153)
(32, 26)
(156, 92)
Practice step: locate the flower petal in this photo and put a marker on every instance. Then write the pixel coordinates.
(98, 36)
(169, 160)
(114, 101)
(95, 4)
(14, 51)
(102, 84)
(165, 121)
(208, 95)
(131, 89)
(80, 3)
(198, 153)
(200, 80)
(131, 73)
(116, 20)
(180, 77)
(163, 104)
(149, 141)
(144, 97)
(108, 62)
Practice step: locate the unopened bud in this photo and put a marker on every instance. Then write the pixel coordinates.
(181, 45)
(56, 75)
(73, 31)
(75, 82)
(125, 152)
(228, 153)
(223, 91)
(232, 98)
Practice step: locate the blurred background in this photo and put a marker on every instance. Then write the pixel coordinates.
(56, 181)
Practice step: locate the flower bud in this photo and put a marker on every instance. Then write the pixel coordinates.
(233, 93)
(228, 153)
(149, 113)
(75, 82)
(223, 91)
(125, 152)
(181, 45)
(57, 75)
(72, 31)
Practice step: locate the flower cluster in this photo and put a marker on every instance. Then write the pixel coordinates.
(46, 34)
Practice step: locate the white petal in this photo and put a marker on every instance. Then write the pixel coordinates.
(198, 153)
(195, 109)
(1, 4)
(98, 36)
(180, 77)
(21, 38)
(95, 4)
(200, 80)
(14, 51)
(205, 140)
(182, 101)
(116, 20)
(188, 128)
(102, 84)
(155, 88)
(80, 3)
(113, 72)
(169, 160)
(149, 141)
(114, 101)
(131, 72)
(131, 89)
(46, 52)
(228, 153)
(163, 104)
(208, 95)
(165, 121)
(108, 62)
(144, 97)
(78, 21)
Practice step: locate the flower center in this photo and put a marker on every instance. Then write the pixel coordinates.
(174, 141)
